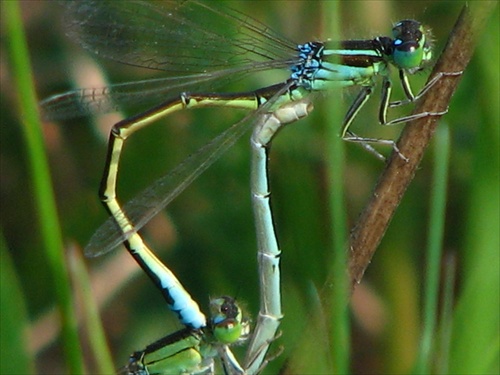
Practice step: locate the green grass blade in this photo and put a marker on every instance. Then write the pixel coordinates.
(95, 331)
(476, 325)
(40, 177)
(443, 342)
(337, 293)
(14, 353)
(434, 248)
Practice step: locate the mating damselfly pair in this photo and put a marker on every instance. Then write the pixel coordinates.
(186, 41)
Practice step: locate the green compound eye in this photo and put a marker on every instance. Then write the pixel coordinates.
(411, 49)
(226, 320)
(407, 55)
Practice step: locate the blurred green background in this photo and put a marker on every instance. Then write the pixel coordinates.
(207, 237)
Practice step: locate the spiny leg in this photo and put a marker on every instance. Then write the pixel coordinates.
(386, 93)
(347, 135)
(385, 104)
(406, 86)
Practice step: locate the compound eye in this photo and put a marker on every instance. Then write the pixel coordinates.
(409, 47)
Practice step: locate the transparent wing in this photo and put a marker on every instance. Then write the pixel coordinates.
(159, 194)
(173, 36)
(90, 101)
(196, 46)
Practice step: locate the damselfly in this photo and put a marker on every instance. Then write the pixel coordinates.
(202, 48)
(191, 350)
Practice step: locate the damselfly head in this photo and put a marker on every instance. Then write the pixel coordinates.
(226, 318)
(412, 45)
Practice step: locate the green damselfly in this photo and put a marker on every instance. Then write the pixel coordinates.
(201, 48)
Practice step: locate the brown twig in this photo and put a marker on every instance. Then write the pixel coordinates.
(394, 180)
